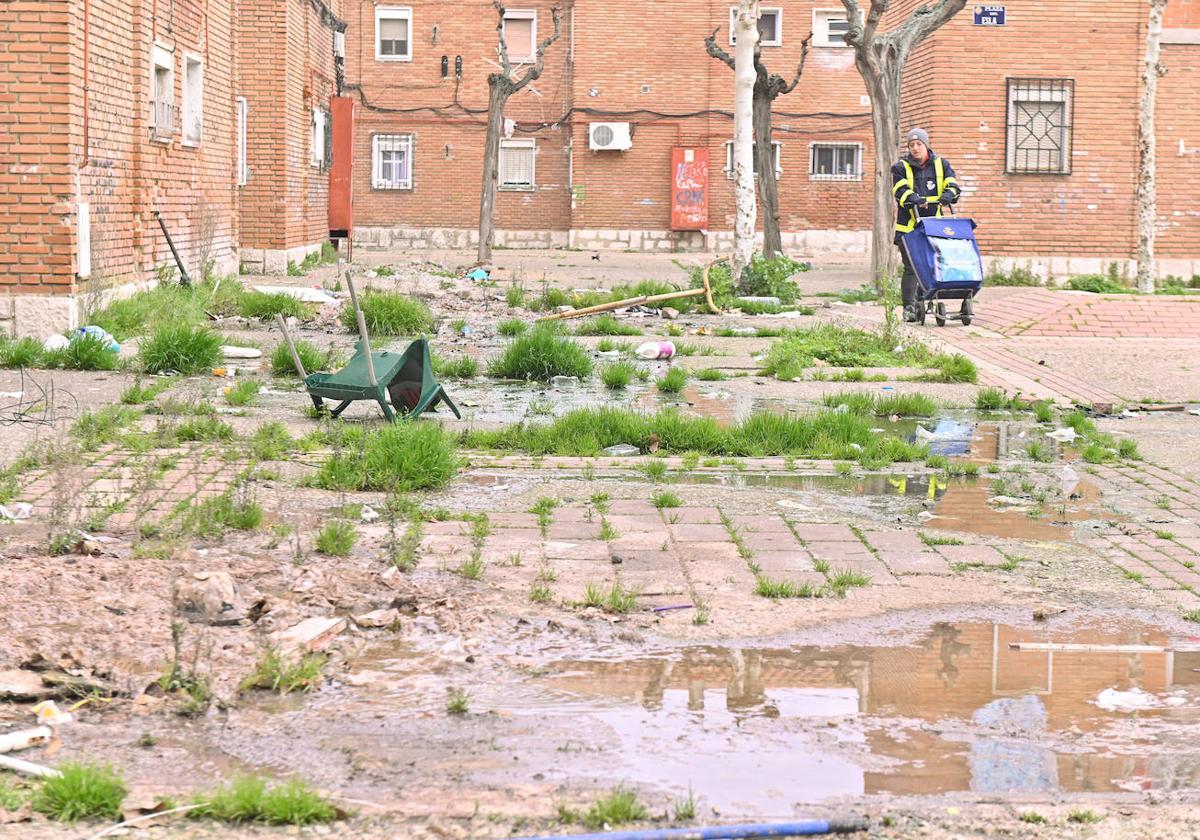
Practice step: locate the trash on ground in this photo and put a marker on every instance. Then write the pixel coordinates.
(622, 450)
(479, 275)
(100, 333)
(48, 714)
(1134, 700)
(299, 293)
(16, 510)
(25, 738)
(369, 514)
(1063, 435)
(656, 350)
(56, 342)
(564, 381)
(229, 351)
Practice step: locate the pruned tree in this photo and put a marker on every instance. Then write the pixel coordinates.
(880, 58)
(502, 85)
(745, 30)
(1147, 149)
(768, 87)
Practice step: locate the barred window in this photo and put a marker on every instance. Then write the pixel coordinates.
(391, 161)
(1039, 126)
(516, 164)
(836, 162)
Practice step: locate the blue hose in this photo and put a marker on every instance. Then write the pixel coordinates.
(724, 832)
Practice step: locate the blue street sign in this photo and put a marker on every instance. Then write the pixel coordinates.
(989, 16)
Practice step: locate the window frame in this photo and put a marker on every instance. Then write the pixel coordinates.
(243, 131)
(1060, 87)
(776, 145)
(775, 10)
(316, 137)
(518, 143)
(188, 107)
(162, 57)
(393, 13)
(522, 14)
(813, 175)
(820, 28)
(409, 142)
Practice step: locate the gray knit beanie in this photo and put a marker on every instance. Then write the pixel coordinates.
(918, 134)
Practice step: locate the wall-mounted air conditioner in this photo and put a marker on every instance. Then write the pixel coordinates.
(609, 136)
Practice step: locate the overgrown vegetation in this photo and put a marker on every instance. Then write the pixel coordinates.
(617, 375)
(389, 313)
(606, 325)
(276, 673)
(460, 367)
(1016, 276)
(618, 807)
(845, 347)
(81, 791)
(249, 799)
(903, 405)
(403, 456)
(336, 538)
(541, 354)
(182, 348)
(312, 358)
(673, 381)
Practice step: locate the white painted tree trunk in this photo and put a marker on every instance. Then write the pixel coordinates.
(1147, 201)
(745, 201)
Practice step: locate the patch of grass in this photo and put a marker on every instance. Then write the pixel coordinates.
(954, 368)
(768, 588)
(605, 325)
(515, 296)
(540, 355)
(82, 791)
(1163, 502)
(619, 807)
(1164, 535)
(666, 499)
(205, 428)
(616, 600)
(266, 305)
(511, 326)
(673, 381)
(458, 702)
(684, 808)
(314, 360)
(1039, 451)
(460, 367)
(183, 348)
(938, 539)
(271, 442)
(840, 347)
(402, 456)
(213, 517)
(336, 538)
(539, 593)
(1043, 411)
(608, 345)
(991, 399)
(243, 393)
(389, 313)
(97, 428)
(617, 376)
(1095, 453)
(249, 799)
(471, 567)
(138, 394)
(84, 352)
(1032, 817)
(655, 470)
(906, 405)
(1084, 817)
(22, 353)
(711, 375)
(1098, 284)
(1192, 615)
(1016, 276)
(1127, 448)
(275, 673)
(845, 579)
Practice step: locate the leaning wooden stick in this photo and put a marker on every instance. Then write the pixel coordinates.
(362, 331)
(641, 299)
(291, 348)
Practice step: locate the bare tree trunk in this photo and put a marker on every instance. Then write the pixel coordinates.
(880, 59)
(497, 97)
(744, 75)
(1147, 147)
(768, 187)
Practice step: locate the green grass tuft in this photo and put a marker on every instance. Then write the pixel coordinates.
(138, 394)
(389, 313)
(458, 702)
(275, 673)
(666, 499)
(674, 381)
(606, 325)
(404, 456)
(336, 538)
(511, 327)
(617, 376)
(768, 588)
(243, 393)
(711, 375)
(266, 305)
(460, 367)
(619, 807)
(313, 359)
(249, 799)
(991, 399)
(1084, 817)
(181, 348)
(540, 355)
(81, 791)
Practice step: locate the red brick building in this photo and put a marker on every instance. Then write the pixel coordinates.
(219, 114)
(201, 110)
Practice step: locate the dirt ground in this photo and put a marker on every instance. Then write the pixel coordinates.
(1003, 660)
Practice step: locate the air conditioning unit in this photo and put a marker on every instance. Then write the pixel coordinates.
(609, 136)
(339, 44)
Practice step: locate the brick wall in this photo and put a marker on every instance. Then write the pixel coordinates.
(37, 235)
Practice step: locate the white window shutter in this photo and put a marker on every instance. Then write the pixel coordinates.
(375, 182)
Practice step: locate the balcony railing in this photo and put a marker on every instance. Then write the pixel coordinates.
(164, 117)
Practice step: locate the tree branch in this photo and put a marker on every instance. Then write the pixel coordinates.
(785, 89)
(710, 44)
(535, 71)
(505, 66)
(855, 36)
(878, 7)
(925, 21)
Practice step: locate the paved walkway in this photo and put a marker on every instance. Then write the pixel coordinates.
(1044, 312)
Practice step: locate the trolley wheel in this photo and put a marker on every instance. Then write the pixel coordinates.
(922, 308)
(939, 314)
(967, 312)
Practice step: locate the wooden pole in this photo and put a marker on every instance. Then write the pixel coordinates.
(637, 301)
(362, 331)
(291, 348)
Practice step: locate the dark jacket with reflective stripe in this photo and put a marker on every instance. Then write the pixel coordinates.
(924, 186)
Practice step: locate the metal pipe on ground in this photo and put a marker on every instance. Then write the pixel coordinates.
(800, 828)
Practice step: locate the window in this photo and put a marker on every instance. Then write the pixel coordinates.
(516, 164)
(193, 100)
(391, 161)
(317, 137)
(162, 94)
(520, 34)
(770, 26)
(243, 164)
(830, 27)
(393, 33)
(776, 146)
(836, 162)
(1039, 126)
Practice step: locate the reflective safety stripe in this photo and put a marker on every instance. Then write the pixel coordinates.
(898, 185)
(940, 171)
(910, 182)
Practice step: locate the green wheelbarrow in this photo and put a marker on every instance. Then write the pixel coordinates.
(405, 380)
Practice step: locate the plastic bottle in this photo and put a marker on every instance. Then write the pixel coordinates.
(657, 350)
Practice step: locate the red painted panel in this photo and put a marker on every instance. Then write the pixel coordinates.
(689, 189)
(341, 194)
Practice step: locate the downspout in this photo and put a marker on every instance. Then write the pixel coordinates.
(87, 53)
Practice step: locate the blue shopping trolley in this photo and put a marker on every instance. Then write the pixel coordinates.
(945, 257)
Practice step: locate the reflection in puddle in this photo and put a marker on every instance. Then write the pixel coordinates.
(962, 709)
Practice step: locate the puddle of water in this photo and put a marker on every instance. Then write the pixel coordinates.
(917, 486)
(754, 730)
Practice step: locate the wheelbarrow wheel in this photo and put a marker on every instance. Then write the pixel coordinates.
(939, 314)
(922, 309)
(967, 312)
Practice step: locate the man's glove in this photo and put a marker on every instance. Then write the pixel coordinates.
(948, 198)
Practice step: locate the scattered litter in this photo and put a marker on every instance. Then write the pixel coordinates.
(56, 342)
(1126, 414)
(299, 293)
(1068, 480)
(227, 372)
(1195, 412)
(16, 511)
(468, 403)
(622, 450)
(48, 714)
(564, 381)
(922, 432)
(27, 767)
(231, 352)
(465, 329)
(788, 313)
(479, 275)
(100, 333)
(369, 514)
(609, 354)
(924, 516)
(673, 607)
(656, 350)
(1063, 435)
(1134, 700)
